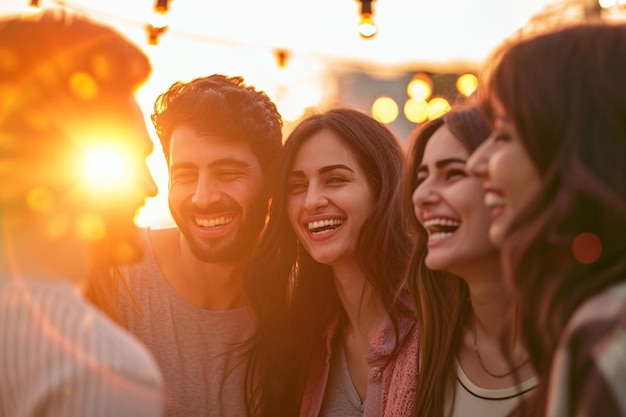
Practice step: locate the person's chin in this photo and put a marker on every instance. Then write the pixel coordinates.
(496, 234)
(434, 263)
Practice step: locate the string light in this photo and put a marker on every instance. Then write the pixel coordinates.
(33, 8)
(607, 4)
(281, 56)
(367, 27)
(613, 9)
(437, 107)
(385, 109)
(416, 110)
(158, 23)
(467, 84)
(420, 86)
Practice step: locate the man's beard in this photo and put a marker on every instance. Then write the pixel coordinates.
(229, 249)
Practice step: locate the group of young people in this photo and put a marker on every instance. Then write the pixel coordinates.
(330, 274)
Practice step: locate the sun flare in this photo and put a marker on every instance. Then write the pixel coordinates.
(106, 165)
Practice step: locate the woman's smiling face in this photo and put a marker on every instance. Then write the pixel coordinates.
(329, 198)
(510, 178)
(449, 205)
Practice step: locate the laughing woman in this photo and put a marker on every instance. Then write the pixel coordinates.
(463, 311)
(332, 340)
(555, 180)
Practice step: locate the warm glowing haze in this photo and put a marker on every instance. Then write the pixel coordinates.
(319, 41)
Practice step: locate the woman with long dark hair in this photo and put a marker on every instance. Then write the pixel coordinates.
(555, 183)
(463, 309)
(335, 331)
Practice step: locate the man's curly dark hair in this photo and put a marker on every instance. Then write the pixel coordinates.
(224, 106)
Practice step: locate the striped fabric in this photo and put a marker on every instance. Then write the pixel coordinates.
(588, 375)
(59, 356)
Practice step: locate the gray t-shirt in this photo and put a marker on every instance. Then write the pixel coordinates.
(341, 398)
(195, 348)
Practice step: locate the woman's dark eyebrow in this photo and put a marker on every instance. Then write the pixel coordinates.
(442, 163)
(336, 166)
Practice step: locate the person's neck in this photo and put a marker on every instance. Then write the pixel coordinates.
(492, 306)
(493, 354)
(495, 315)
(363, 308)
(493, 310)
(211, 286)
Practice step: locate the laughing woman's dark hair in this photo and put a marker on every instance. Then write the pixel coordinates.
(564, 93)
(435, 289)
(294, 297)
(437, 186)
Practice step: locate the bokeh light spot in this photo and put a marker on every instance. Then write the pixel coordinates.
(420, 87)
(437, 107)
(90, 227)
(84, 86)
(385, 110)
(40, 200)
(586, 248)
(416, 110)
(467, 84)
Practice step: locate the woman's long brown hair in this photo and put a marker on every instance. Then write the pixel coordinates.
(441, 299)
(565, 93)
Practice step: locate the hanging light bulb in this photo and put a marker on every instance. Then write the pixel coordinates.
(607, 4)
(33, 8)
(613, 10)
(158, 23)
(367, 27)
(281, 56)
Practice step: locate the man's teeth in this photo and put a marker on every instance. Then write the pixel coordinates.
(219, 221)
(493, 200)
(323, 226)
